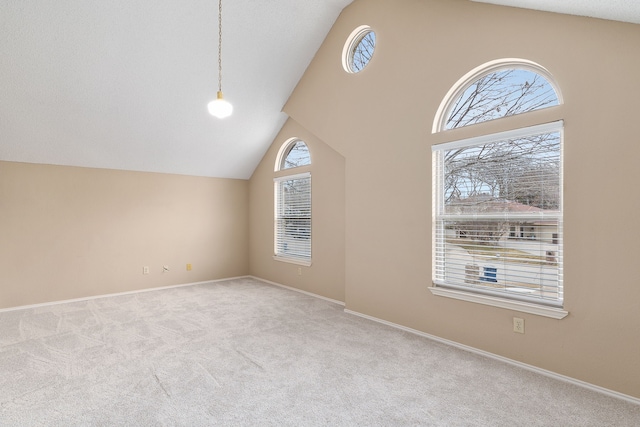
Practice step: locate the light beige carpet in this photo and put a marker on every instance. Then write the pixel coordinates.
(245, 353)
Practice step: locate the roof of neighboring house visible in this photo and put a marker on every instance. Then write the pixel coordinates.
(487, 203)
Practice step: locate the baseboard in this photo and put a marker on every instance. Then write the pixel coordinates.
(298, 290)
(512, 362)
(45, 304)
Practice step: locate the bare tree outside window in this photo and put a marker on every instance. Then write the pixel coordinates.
(298, 155)
(501, 94)
(511, 177)
(362, 52)
(502, 175)
(485, 178)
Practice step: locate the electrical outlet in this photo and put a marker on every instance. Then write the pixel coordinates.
(518, 325)
(145, 269)
(188, 267)
(299, 271)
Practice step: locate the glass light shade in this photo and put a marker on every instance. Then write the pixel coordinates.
(219, 107)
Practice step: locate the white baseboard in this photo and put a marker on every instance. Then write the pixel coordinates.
(512, 362)
(45, 304)
(298, 290)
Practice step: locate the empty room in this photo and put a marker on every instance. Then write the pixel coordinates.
(306, 213)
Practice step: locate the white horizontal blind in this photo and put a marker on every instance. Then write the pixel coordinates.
(293, 217)
(498, 214)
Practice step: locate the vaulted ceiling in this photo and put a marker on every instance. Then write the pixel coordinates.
(616, 10)
(125, 84)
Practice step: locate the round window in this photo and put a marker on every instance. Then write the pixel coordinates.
(358, 49)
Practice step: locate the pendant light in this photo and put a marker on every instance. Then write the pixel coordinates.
(219, 107)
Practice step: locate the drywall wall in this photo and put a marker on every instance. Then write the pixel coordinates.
(380, 120)
(325, 276)
(69, 232)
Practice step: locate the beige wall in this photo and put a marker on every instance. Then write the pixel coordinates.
(326, 274)
(380, 121)
(69, 232)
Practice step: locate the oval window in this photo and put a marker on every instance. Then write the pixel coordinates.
(358, 50)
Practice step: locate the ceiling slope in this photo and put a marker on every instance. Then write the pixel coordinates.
(616, 10)
(125, 84)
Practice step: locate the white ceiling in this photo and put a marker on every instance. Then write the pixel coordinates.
(617, 10)
(124, 84)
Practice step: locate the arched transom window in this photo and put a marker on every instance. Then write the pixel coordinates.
(495, 90)
(293, 153)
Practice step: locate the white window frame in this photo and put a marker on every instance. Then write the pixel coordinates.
(304, 260)
(440, 288)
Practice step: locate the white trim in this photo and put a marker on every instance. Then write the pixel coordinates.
(116, 294)
(294, 176)
(525, 307)
(550, 127)
(531, 368)
(292, 260)
(298, 290)
(488, 67)
(284, 147)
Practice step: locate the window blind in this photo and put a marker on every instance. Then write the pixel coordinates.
(498, 214)
(293, 216)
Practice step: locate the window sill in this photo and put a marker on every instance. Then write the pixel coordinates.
(292, 260)
(539, 310)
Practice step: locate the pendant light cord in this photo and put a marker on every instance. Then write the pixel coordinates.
(219, 45)
(219, 107)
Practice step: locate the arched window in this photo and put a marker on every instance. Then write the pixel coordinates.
(497, 200)
(293, 153)
(495, 90)
(292, 213)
